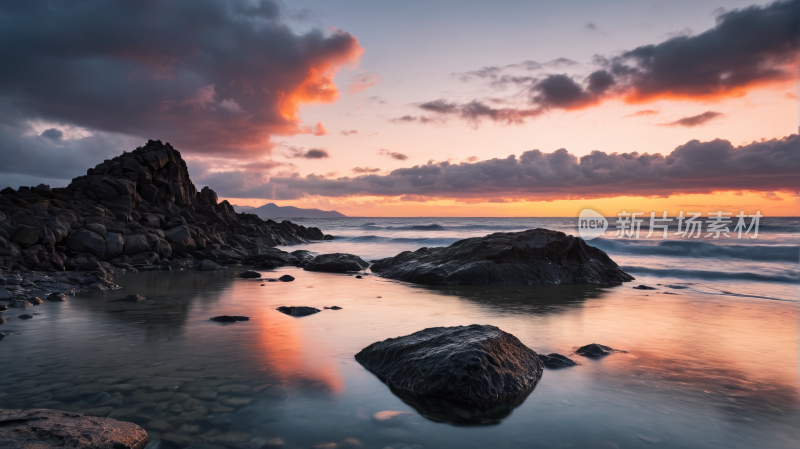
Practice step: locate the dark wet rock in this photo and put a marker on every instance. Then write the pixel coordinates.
(533, 257)
(595, 350)
(297, 311)
(250, 274)
(130, 298)
(644, 287)
(358, 277)
(26, 236)
(285, 278)
(3, 307)
(230, 319)
(209, 265)
(479, 369)
(554, 361)
(35, 300)
(334, 308)
(5, 294)
(85, 241)
(327, 237)
(336, 263)
(25, 317)
(42, 428)
(56, 296)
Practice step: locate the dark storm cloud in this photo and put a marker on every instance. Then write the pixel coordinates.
(215, 76)
(747, 48)
(695, 120)
(473, 112)
(393, 155)
(314, 153)
(696, 167)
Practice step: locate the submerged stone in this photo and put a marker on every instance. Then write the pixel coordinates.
(37, 428)
(554, 361)
(284, 278)
(595, 350)
(532, 257)
(644, 287)
(297, 311)
(470, 374)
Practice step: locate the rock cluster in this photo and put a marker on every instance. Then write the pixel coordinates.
(139, 211)
(41, 428)
(532, 257)
(480, 370)
(336, 263)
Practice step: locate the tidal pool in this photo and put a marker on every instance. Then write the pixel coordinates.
(702, 370)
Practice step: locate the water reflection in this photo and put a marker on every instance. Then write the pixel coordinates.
(702, 370)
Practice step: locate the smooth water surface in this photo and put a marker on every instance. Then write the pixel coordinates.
(704, 368)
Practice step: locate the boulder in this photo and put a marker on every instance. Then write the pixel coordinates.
(8, 248)
(208, 265)
(479, 370)
(180, 237)
(26, 236)
(285, 278)
(56, 296)
(85, 241)
(5, 295)
(555, 361)
(250, 274)
(533, 257)
(297, 311)
(115, 245)
(97, 228)
(336, 263)
(135, 243)
(207, 196)
(42, 428)
(596, 351)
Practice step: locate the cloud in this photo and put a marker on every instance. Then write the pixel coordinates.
(361, 82)
(693, 168)
(52, 134)
(349, 133)
(314, 153)
(214, 76)
(365, 170)
(393, 155)
(695, 120)
(591, 26)
(642, 113)
(746, 49)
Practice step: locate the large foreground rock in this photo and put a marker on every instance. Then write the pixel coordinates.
(42, 428)
(536, 256)
(336, 263)
(479, 371)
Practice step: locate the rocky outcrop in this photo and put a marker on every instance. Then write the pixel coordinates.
(298, 310)
(596, 351)
(42, 428)
(137, 211)
(480, 370)
(555, 361)
(536, 256)
(336, 263)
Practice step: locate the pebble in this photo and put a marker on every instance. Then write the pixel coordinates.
(25, 317)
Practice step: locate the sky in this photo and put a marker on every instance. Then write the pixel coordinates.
(417, 108)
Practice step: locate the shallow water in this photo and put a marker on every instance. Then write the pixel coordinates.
(704, 369)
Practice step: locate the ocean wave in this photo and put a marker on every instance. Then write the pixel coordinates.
(682, 248)
(422, 241)
(712, 275)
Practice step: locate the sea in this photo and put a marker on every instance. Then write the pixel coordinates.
(711, 361)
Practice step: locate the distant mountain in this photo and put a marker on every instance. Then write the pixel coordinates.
(272, 210)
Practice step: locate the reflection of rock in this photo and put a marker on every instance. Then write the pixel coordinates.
(130, 298)
(533, 257)
(469, 374)
(554, 361)
(50, 428)
(390, 417)
(250, 274)
(297, 311)
(595, 350)
(336, 263)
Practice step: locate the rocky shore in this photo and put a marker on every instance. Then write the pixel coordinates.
(139, 211)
